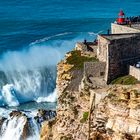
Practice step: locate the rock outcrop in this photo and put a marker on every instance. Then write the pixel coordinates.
(73, 106)
(26, 125)
(120, 111)
(93, 112)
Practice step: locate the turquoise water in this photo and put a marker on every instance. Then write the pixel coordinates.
(35, 35)
(31, 106)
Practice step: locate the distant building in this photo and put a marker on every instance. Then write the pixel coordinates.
(126, 25)
(120, 50)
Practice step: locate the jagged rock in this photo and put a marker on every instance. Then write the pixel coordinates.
(66, 76)
(2, 119)
(123, 116)
(15, 113)
(113, 115)
(45, 115)
(44, 131)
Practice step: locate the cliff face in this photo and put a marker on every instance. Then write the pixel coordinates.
(73, 106)
(92, 112)
(117, 116)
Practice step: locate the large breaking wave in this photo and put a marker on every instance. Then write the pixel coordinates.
(30, 74)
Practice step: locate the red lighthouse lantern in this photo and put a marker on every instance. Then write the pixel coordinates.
(121, 17)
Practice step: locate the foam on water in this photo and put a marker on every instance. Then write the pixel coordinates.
(13, 128)
(51, 98)
(48, 38)
(9, 96)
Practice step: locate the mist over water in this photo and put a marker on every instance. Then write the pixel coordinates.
(30, 74)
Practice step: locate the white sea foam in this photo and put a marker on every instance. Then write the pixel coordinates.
(9, 95)
(48, 38)
(94, 34)
(4, 112)
(13, 128)
(51, 98)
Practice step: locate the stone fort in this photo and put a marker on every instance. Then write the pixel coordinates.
(118, 52)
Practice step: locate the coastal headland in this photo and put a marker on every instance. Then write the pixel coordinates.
(99, 89)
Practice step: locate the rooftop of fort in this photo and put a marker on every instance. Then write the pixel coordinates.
(134, 25)
(119, 36)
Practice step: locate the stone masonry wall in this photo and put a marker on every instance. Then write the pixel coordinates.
(134, 72)
(102, 49)
(95, 69)
(118, 29)
(122, 53)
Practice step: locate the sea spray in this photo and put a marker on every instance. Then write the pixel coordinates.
(9, 96)
(30, 74)
(51, 98)
(28, 86)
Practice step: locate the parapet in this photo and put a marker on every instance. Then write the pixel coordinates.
(122, 29)
(111, 37)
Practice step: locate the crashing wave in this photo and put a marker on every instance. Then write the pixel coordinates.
(13, 128)
(27, 85)
(51, 98)
(30, 74)
(11, 98)
(19, 125)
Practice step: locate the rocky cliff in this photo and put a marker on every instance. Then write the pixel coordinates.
(116, 117)
(73, 106)
(92, 112)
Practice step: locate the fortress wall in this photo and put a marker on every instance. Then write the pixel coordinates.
(102, 49)
(122, 53)
(134, 72)
(118, 29)
(102, 53)
(94, 69)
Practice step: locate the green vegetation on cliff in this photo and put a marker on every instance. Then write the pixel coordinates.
(78, 60)
(85, 117)
(125, 80)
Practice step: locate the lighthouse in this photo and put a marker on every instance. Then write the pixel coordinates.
(121, 18)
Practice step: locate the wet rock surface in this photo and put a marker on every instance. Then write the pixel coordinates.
(45, 115)
(24, 124)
